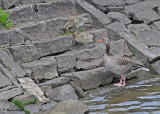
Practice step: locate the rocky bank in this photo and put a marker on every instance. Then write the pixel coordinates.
(34, 48)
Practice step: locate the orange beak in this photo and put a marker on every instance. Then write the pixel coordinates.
(101, 40)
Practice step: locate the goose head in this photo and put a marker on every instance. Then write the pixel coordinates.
(106, 42)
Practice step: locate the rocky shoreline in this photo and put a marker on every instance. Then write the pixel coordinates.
(34, 48)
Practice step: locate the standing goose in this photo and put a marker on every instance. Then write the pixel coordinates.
(76, 21)
(120, 65)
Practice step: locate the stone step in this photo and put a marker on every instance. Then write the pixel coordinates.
(32, 52)
(42, 70)
(90, 79)
(42, 11)
(37, 31)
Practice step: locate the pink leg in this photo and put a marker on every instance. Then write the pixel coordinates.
(122, 82)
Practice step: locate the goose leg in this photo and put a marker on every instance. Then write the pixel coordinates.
(122, 82)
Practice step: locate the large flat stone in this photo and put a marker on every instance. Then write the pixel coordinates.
(70, 106)
(42, 69)
(116, 16)
(65, 62)
(52, 46)
(139, 48)
(100, 19)
(157, 25)
(4, 81)
(10, 77)
(11, 37)
(116, 30)
(91, 78)
(150, 37)
(61, 93)
(156, 66)
(120, 48)
(56, 9)
(55, 82)
(136, 29)
(24, 53)
(5, 95)
(146, 16)
(10, 64)
(9, 3)
(23, 14)
(141, 6)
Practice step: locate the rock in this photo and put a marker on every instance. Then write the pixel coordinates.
(31, 87)
(156, 50)
(25, 97)
(11, 37)
(99, 18)
(156, 66)
(91, 53)
(150, 37)
(25, 53)
(7, 88)
(129, 2)
(139, 48)
(23, 14)
(11, 65)
(52, 46)
(8, 74)
(5, 95)
(141, 6)
(56, 9)
(116, 30)
(78, 90)
(158, 10)
(61, 93)
(70, 106)
(9, 3)
(89, 64)
(157, 25)
(90, 79)
(33, 108)
(8, 107)
(146, 16)
(12, 112)
(116, 16)
(4, 81)
(136, 29)
(120, 48)
(102, 4)
(49, 105)
(34, 31)
(65, 62)
(55, 82)
(42, 69)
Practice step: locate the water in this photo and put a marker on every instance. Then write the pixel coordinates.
(142, 97)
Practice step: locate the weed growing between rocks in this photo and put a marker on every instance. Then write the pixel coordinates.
(5, 22)
(5, 66)
(68, 33)
(21, 105)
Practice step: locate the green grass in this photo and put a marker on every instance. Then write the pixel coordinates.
(21, 105)
(5, 66)
(137, 56)
(63, 34)
(5, 22)
(81, 31)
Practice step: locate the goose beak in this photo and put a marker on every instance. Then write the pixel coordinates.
(101, 40)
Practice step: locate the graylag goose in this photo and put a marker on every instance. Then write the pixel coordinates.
(120, 65)
(83, 38)
(76, 21)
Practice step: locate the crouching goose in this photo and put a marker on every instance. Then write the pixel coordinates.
(83, 38)
(120, 65)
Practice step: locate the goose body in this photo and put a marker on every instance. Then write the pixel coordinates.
(76, 21)
(120, 65)
(83, 38)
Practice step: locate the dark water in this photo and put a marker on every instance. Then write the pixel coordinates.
(139, 97)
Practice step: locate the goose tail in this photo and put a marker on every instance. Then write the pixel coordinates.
(146, 69)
